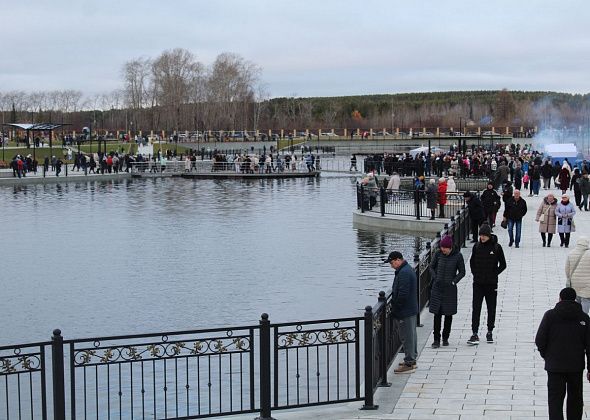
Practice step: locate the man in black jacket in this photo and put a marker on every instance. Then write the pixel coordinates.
(476, 213)
(514, 210)
(563, 339)
(487, 262)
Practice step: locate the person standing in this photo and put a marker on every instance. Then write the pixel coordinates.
(547, 219)
(584, 183)
(404, 308)
(487, 262)
(577, 272)
(514, 210)
(431, 197)
(442, 197)
(446, 270)
(565, 220)
(563, 340)
(491, 202)
(476, 213)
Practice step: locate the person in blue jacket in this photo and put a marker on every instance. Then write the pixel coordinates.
(404, 308)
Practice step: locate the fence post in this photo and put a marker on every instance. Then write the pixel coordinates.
(418, 287)
(265, 389)
(369, 359)
(382, 198)
(383, 341)
(57, 373)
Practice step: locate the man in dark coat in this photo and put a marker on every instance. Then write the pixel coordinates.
(563, 339)
(476, 213)
(404, 308)
(487, 262)
(491, 203)
(446, 270)
(514, 210)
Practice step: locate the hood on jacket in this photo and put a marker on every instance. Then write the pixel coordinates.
(568, 310)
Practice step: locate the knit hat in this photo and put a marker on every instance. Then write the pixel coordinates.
(446, 242)
(485, 230)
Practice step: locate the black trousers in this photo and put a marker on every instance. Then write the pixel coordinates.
(557, 385)
(475, 224)
(447, 328)
(490, 293)
(565, 238)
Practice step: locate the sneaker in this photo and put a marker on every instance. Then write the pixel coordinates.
(435, 344)
(474, 340)
(445, 343)
(516, 246)
(489, 337)
(405, 369)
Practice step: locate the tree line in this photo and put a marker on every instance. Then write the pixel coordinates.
(176, 92)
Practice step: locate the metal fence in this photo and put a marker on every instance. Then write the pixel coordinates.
(407, 202)
(213, 372)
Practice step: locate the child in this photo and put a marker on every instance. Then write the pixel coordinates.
(525, 180)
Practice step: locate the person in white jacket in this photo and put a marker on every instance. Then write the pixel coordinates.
(394, 182)
(577, 272)
(451, 185)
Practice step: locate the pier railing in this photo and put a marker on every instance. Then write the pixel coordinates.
(214, 372)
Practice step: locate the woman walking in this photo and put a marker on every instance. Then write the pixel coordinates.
(576, 187)
(447, 268)
(565, 220)
(547, 219)
(564, 179)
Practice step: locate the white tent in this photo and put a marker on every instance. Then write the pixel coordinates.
(561, 151)
(424, 149)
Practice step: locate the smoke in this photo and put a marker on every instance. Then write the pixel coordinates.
(553, 127)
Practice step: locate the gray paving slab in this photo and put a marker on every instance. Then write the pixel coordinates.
(503, 380)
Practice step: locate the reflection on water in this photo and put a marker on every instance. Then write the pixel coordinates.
(130, 256)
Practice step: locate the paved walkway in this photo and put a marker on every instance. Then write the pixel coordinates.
(505, 379)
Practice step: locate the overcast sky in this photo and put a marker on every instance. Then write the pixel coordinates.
(305, 47)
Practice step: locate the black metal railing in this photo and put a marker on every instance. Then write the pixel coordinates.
(413, 203)
(214, 372)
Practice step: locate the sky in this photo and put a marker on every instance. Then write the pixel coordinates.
(305, 47)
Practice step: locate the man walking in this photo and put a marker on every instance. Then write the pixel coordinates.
(514, 210)
(487, 262)
(476, 213)
(563, 339)
(404, 308)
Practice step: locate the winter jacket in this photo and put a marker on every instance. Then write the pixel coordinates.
(574, 184)
(487, 261)
(584, 184)
(475, 209)
(577, 268)
(563, 338)
(546, 171)
(442, 193)
(491, 201)
(431, 196)
(515, 210)
(565, 217)
(404, 298)
(564, 178)
(547, 225)
(394, 182)
(451, 185)
(445, 271)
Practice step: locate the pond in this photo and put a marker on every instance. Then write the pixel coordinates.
(152, 255)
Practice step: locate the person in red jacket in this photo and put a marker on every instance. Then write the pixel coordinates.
(442, 196)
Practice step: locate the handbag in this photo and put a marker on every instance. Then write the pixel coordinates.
(542, 218)
(504, 224)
